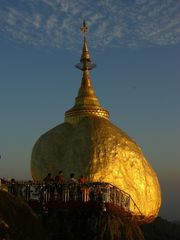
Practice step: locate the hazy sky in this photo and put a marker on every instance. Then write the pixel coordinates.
(135, 45)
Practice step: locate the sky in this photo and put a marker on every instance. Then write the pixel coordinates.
(135, 45)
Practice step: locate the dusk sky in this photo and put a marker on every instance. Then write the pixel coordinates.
(135, 45)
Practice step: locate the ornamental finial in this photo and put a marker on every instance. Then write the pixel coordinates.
(84, 27)
(85, 61)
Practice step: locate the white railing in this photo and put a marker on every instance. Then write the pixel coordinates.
(91, 191)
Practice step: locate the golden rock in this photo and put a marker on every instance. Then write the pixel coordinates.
(88, 144)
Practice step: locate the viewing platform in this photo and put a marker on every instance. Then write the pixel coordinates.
(42, 196)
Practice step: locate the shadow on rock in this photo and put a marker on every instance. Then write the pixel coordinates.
(17, 220)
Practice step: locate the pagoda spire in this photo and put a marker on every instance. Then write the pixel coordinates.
(86, 103)
(85, 65)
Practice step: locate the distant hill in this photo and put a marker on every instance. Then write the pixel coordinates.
(161, 229)
(176, 222)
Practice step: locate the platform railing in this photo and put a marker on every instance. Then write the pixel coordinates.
(68, 192)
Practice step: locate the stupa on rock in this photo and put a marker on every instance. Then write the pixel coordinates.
(88, 143)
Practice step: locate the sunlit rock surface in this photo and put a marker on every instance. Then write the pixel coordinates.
(17, 220)
(102, 152)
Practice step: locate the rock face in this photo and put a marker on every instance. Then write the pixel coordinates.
(17, 220)
(90, 223)
(102, 152)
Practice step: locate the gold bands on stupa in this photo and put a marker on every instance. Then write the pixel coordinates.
(86, 103)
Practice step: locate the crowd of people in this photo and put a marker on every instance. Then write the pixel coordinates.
(67, 190)
(60, 179)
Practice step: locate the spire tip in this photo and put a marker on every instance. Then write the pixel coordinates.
(84, 27)
(85, 62)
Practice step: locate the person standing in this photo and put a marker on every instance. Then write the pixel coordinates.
(49, 188)
(73, 186)
(59, 180)
(48, 178)
(72, 179)
(82, 179)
